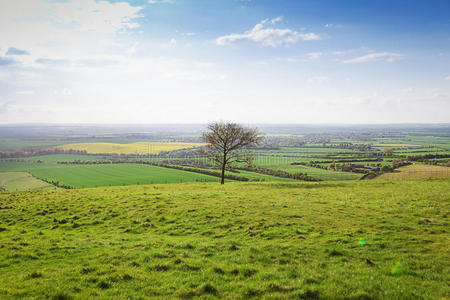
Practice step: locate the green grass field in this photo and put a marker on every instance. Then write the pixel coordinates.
(280, 157)
(82, 176)
(317, 172)
(326, 240)
(22, 181)
(262, 177)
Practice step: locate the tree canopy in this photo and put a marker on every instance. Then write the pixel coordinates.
(228, 143)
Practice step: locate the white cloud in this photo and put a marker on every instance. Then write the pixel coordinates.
(172, 43)
(101, 16)
(25, 92)
(381, 56)
(309, 36)
(62, 92)
(447, 78)
(317, 80)
(329, 25)
(276, 20)
(73, 27)
(272, 37)
(5, 107)
(290, 59)
(102, 61)
(132, 50)
(314, 55)
(160, 1)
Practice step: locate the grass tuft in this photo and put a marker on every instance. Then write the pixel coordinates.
(103, 284)
(208, 289)
(35, 275)
(61, 296)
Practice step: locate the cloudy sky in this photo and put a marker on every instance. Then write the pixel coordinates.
(251, 61)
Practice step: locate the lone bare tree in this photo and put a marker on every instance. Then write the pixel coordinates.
(229, 143)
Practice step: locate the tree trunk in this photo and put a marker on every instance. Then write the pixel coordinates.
(223, 174)
(222, 181)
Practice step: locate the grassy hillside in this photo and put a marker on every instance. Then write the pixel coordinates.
(132, 148)
(352, 240)
(22, 181)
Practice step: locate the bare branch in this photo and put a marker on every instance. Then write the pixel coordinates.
(228, 144)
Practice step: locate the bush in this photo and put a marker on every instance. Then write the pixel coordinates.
(386, 169)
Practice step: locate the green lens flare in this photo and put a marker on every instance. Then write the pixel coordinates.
(396, 270)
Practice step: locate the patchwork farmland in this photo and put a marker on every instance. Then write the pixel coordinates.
(281, 157)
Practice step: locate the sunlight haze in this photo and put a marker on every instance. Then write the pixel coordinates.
(260, 61)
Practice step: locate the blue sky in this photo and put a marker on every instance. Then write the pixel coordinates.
(252, 61)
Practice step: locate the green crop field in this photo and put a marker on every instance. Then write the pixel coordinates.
(327, 240)
(261, 177)
(22, 181)
(316, 173)
(81, 176)
(320, 173)
(317, 152)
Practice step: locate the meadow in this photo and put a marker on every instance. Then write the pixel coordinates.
(292, 153)
(94, 175)
(82, 176)
(22, 181)
(326, 240)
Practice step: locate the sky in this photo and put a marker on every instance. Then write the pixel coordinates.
(248, 61)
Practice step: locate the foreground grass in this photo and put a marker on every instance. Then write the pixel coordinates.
(22, 181)
(241, 240)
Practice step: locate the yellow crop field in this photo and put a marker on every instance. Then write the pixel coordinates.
(417, 171)
(132, 148)
(396, 145)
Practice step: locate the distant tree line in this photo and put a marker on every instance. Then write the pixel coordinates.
(314, 162)
(55, 183)
(426, 156)
(39, 152)
(86, 162)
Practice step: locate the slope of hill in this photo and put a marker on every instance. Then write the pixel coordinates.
(352, 240)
